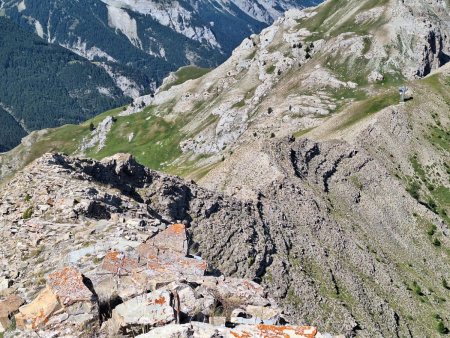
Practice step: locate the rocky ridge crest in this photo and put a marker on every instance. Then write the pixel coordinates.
(95, 252)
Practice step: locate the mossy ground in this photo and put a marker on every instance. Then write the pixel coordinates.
(153, 140)
(327, 22)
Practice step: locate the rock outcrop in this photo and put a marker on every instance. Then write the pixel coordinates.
(119, 225)
(94, 281)
(8, 307)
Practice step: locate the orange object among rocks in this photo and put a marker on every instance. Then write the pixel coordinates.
(64, 288)
(172, 239)
(119, 263)
(68, 285)
(32, 315)
(272, 331)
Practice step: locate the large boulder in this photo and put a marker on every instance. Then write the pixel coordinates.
(191, 304)
(172, 239)
(132, 273)
(134, 316)
(257, 331)
(37, 313)
(8, 306)
(67, 291)
(168, 267)
(120, 276)
(191, 330)
(119, 263)
(69, 286)
(235, 291)
(252, 314)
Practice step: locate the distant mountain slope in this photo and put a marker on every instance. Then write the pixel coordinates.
(44, 85)
(140, 41)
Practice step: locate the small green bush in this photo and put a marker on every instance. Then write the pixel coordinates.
(417, 289)
(414, 189)
(436, 242)
(432, 205)
(432, 230)
(28, 213)
(441, 328)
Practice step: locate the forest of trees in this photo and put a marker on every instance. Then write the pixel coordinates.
(46, 85)
(10, 131)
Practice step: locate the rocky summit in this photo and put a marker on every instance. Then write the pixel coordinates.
(101, 254)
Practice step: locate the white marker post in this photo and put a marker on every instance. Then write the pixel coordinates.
(402, 91)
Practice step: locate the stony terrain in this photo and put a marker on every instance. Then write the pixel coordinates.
(314, 181)
(95, 252)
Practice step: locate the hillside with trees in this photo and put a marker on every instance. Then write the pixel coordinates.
(44, 85)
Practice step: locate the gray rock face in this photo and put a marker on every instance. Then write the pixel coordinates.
(151, 310)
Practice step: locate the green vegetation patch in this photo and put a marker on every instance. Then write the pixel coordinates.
(442, 195)
(326, 23)
(153, 140)
(252, 55)
(270, 69)
(28, 213)
(187, 73)
(440, 137)
(239, 104)
(303, 132)
(366, 108)
(422, 188)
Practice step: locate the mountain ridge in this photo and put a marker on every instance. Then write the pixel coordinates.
(232, 103)
(147, 30)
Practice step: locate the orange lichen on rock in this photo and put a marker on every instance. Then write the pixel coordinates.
(159, 301)
(36, 313)
(250, 286)
(172, 239)
(241, 335)
(118, 263)
(175, 265)
(272, 331)
(64, 288)
(68, 285)
(178, 229)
